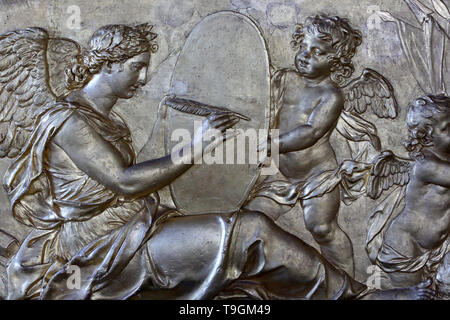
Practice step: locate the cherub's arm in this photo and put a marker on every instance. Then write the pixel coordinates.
(102, 162)
(434, 171)
(322, 120)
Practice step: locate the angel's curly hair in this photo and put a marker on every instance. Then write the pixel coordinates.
(109, 44)
(338, 32)
(422, 115)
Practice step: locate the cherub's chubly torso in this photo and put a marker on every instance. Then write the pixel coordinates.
(426, 216)
(299, 103)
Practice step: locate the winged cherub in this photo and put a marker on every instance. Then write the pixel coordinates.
(410, 242)
(309, 104)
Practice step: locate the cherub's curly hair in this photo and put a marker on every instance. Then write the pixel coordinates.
(338, 32)
(109, 44)
(422, 116)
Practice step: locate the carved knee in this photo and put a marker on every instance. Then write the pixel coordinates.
(322, 232)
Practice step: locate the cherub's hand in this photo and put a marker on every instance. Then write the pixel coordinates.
(350, 166)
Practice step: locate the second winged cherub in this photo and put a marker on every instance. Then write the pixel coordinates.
(410, 242)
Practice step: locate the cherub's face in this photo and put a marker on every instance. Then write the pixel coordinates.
(441, 133)
(127, 77)
(312, 59)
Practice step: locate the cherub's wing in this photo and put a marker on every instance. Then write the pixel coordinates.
(24, 85)
(370, 89)
(387, 170)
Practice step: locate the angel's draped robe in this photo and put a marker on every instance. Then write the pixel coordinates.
(88, 242)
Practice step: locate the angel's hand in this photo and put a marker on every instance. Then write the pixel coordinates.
(212, 132)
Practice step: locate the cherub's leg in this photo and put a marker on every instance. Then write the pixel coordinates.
(321, 220)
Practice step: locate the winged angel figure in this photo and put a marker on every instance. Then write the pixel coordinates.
(98, 230)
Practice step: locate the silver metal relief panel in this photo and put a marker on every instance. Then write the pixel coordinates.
(122, 128)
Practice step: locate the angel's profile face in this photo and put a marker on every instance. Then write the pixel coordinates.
(127, 77)
(313, 57)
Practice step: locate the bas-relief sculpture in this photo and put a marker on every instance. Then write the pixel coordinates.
(73, 177)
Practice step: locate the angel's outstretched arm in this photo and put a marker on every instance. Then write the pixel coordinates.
(322, 120)
(102, 162)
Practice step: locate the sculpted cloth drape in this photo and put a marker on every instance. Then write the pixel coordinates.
(76, 220)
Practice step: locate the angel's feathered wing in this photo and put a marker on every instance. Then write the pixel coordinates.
(31, 76)
(372, 90)
(25, 83)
